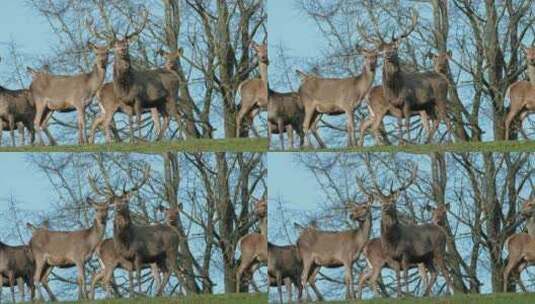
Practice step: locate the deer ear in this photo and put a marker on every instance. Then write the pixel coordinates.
(447, 206)
(430, 55)
(428, 207)
(179, 206)
(179, 51)
(450, 53)
(161, 52)
(90, 45)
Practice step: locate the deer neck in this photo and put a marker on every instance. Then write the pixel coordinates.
(530, 225)
(365, 226)
(368, 73)
(531, 73)
(97, 76)
(263, 66)
(97, 233)
(263, 225)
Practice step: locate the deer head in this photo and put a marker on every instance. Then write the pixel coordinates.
(101, 53)
(101, 210)
(171, 57)
(440, 213)
(261, 51)
(261, 208)
(530, 54)
(360, 211)
(528, 208)
(370, 58)
(440, 60)
(171, 214)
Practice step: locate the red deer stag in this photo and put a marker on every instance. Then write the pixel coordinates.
(377, 259)
(254, 92)
(410, 91)
(335, 96)
(336, 249)
(67, 93)
(67, 249)
(409, 244)
(253, 246)
(522, 93)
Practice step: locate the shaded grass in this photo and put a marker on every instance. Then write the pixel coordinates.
(242, 298)
(494, 146)
(190, 145)
(497, 298)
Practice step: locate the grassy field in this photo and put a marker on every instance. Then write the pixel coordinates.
(496, 146)
(242, 298)
(192, 145)
(499, 298)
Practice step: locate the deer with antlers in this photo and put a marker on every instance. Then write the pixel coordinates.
(409, 244)
(410, 91)
(254, 92)
(253, 246)
(142, 89)
(67, 93)
(377, 259)
(379, 107)
(68, 248)
(522, 93)
(335, 96)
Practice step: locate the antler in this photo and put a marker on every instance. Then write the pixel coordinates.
(138, 31)
(414, 21)
(103, 36)
(106, 192)
(408, 182)
(139, 184)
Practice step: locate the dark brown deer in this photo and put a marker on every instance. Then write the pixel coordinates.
(410, 243)
(410, 91)
(253, 246)
(16, 264)
(67, 249)
(377, 259)
(254, 92)
(67, 93)
(521, 93)
(285, 114)
(336, 248)
(335, 96)
(285, 266)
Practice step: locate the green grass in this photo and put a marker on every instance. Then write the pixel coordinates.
(498, 298)
(494, 146)
(242, 298)
(191, 145)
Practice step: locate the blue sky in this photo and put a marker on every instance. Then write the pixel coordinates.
(20, 179)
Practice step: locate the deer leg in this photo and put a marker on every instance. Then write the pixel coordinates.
(47, 114)
(350, 128)
(98, 276)
(423, 274)
(81, 280)
(131, 280)
(309, 115)
(165, 125)
(20, 284)
(290, 134)
(239, 119)
(280, 126)
(514, 261)
(270, 133)
(20, 128)
(288, 283)
(81, 125)
(156, 274)
(96, 123)
(445, 272)
(39, 111)
(363, 278)
(363, 128)
(407, 116)
(11, 279)
(305, 276)
(513, 111)
(107, 121)
(11, 124)
(155, 115)
(348, 278)
(279, 285)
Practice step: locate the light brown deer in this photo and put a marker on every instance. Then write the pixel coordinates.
(253, 246)
(335, 96)
(254, 92)
(522, 93)
(336, 249)
(67, 93)
(521, 246)
(68, 248)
